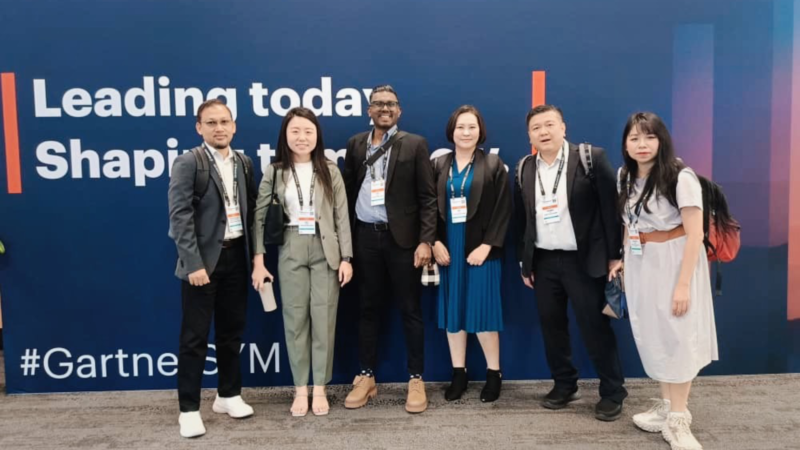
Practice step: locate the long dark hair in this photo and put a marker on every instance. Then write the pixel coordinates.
(285, 156)
(663, 177)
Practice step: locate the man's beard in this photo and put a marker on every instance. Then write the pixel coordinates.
(220, 146)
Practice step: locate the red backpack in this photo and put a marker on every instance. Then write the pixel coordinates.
(721, 232)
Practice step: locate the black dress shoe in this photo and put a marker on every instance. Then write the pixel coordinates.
(457, 386)
(607, 410)
(558, 398)
(491, 391)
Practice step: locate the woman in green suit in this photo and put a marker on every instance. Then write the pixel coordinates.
(314, 259)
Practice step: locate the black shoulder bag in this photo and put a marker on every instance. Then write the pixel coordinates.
(275, 219)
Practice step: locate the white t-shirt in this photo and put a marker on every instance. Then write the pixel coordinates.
(663, 216)
(304, 173)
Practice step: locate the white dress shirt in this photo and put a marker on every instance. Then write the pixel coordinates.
(560, 235)
(292, 200)
(225, 165)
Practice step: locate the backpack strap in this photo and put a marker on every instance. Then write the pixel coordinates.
(585, 151)
(520, 168)
(201, 175)
(247, 164)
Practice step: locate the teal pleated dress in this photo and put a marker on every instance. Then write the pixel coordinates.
(469, 296)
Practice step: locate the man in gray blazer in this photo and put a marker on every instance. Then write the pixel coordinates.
(211, 197)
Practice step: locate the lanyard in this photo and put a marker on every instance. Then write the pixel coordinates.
(633, 220)
(300, 191)
(558, 176)
(464, 180)
(219, 173)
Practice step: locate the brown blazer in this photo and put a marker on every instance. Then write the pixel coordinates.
(488, 206)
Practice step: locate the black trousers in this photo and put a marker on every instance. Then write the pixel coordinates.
(224, 299)
(386, 271)
(559, 276)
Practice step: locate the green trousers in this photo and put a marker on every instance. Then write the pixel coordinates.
(310, 296)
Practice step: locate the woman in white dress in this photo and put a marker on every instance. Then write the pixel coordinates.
(666, 273)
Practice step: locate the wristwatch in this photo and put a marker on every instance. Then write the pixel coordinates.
(347, 259)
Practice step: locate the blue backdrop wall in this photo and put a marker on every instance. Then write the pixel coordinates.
(101, 97)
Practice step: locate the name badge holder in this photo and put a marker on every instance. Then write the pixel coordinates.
(377, 193)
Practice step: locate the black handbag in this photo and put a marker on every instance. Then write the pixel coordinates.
(275, 219)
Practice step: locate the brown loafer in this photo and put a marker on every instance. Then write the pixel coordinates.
(417, 401)
(364, 388)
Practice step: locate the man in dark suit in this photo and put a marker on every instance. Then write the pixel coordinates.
(389, 181)
(569, 236)
(211, 232)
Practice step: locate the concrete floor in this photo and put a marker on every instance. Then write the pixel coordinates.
(747, 413)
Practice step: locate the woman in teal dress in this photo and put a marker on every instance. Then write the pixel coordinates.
(474, 205)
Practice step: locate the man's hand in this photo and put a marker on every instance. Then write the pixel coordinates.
(422, 255)
(440, 254)
(199, 278)
(614, 268)
(528, 280)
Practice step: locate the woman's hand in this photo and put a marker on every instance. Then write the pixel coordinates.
(260, 272)
(345, 272)
(680, 300)
(440, 254)
(479, 255)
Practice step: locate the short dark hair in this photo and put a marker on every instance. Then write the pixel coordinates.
(543, 109)
(384, 88)
(211, 102)
(464, 109)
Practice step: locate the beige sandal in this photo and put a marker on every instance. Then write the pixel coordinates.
(320, 411)
(303, 411)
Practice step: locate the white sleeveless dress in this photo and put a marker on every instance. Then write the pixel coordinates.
(672, 349)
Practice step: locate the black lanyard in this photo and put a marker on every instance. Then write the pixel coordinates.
(558, 176)
(633, 220)
(300, 191)
(219, 173)
(463, 181)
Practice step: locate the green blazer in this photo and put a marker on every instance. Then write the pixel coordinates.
(332, 217)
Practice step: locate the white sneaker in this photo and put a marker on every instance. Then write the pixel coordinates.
(191, 424)
(232, 406)
(676, 431)
(654, 419)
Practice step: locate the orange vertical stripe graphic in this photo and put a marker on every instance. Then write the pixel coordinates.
(537, 88)
(537, 91)
(11, 129)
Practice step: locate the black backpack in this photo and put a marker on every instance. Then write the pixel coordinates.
(203, 172)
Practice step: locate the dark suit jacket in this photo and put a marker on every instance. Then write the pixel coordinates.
(198, 231)
(597, 224)
(410, 193)
(488, 206)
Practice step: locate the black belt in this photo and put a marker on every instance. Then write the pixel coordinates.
(232, 242)
(380, 226)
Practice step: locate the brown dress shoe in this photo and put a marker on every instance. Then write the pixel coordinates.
(417, 400)
(364, 388)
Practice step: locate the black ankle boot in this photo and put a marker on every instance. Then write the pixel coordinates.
(491, 391)
(457, 386)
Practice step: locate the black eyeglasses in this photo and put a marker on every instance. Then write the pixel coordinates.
(381, 105)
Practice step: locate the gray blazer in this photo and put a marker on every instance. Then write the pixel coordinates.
(333, 218)
(198, 231)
